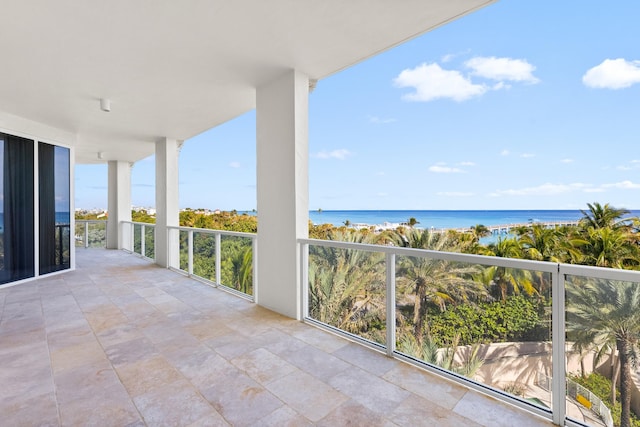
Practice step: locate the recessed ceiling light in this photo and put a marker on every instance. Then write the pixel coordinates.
(105, 105)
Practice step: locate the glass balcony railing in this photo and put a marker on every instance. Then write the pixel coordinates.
(525, 332)
(496, 324)
(139, 238)
(91, 233)
(221, 258)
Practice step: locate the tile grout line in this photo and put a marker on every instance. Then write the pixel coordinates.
(53, 380)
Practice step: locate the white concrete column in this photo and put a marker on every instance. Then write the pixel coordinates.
(283, 189)
(167, 209)
(119, 202)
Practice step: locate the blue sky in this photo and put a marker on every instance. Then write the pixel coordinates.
(521, 105)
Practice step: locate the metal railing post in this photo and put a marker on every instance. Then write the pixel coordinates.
(558, 366)
(254, 266)
(143, 235)
(218, 259)
(190, 252)
(132, 234)
(304, 281)
(86, 235)
(390, 264)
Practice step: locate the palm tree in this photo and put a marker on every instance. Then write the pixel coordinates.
(412, 222)
(346, 286)
(608, 247)
(604, 238)
(539, 243)
(480, 231)
(445, 358)
(242, 270)
(607, 313)
(598, 216)
(433, 281)
(511, 280)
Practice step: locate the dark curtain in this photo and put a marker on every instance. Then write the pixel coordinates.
(18, 209)
(47, 207)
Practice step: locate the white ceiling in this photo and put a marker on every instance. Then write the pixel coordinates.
(175, 68)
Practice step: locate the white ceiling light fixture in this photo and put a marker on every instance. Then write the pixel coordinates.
(105, 105)
(100, 155)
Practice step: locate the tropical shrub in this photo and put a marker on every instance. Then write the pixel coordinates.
(517, 318)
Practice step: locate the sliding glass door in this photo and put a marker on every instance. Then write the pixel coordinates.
(17, 257)
(54, 208)
(18, 219)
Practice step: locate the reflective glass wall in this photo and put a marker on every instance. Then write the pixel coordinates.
(54, 208)
(17, 208)
(18, 179)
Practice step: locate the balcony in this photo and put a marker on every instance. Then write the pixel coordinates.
(121, 341)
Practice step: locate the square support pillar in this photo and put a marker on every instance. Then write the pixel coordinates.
(167, 209)
(283, 189)
(119, 203)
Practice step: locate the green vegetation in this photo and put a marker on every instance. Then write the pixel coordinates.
(605, 315)
(228, 221)
(443, 304)
(601, 387)
(517, 319)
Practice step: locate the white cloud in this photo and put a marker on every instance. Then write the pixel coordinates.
(613, 74)
(550, 189)
(234, 165)
(624, 168)
(501, 69)
(451, 56)
(547, 189)
(444, 169)
(448, 57)
(339, 154)
(566, 161)
(383, 194)
(501, 85)
(454, 194)
(432, 82)
(624, 185)
(504, 153)
(380, 120)
(527, 155)
(381, 173)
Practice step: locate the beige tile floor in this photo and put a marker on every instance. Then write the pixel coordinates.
(121, 342)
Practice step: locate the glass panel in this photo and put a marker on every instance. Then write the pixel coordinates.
(602, 327)
(79, 233)
(149, 242)
(54, 208)
(63, 207)
(2, 205)
(347, 290)
(97, 234)
(490, 324)
(237, 263)
(204, 255)
(137, 239)
(17, 209)
(184, 250)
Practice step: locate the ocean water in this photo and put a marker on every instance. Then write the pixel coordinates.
(447, 219)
